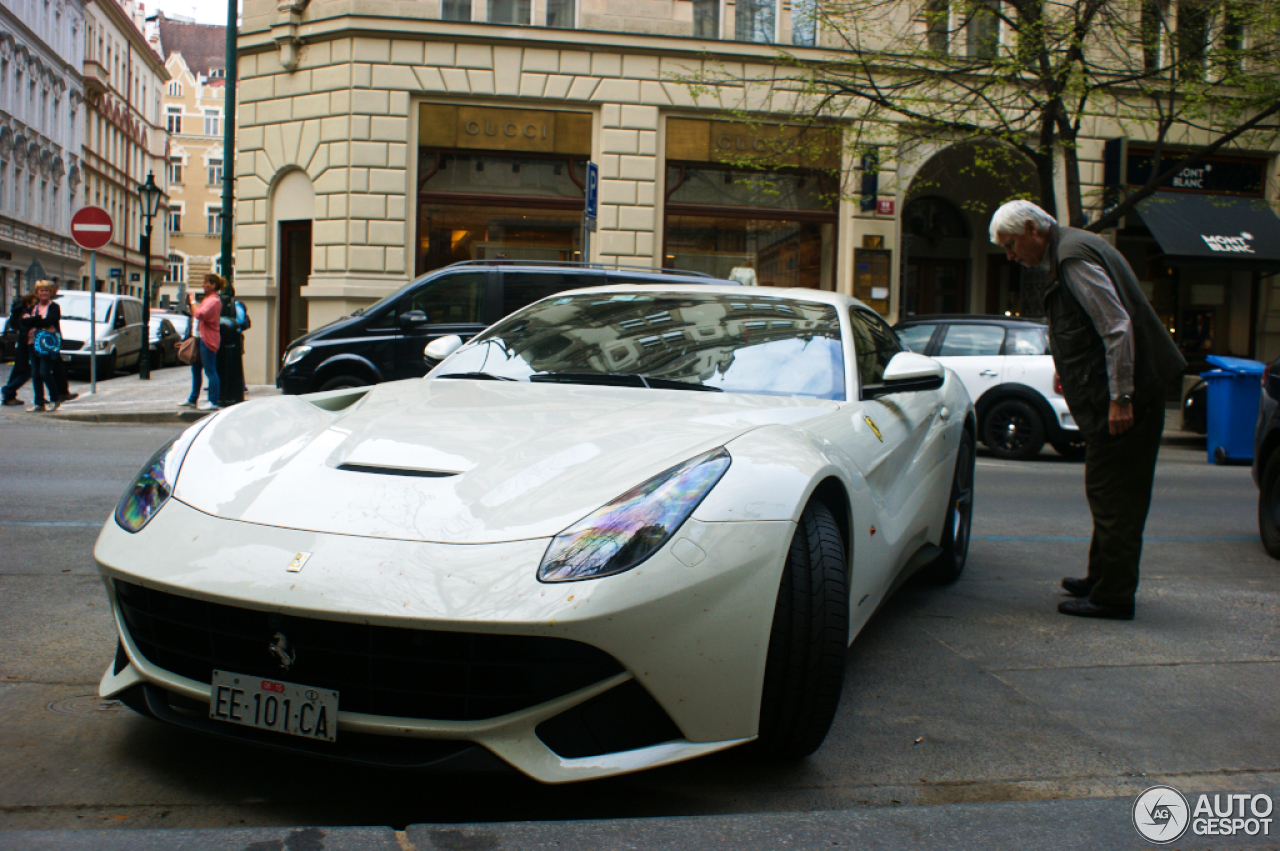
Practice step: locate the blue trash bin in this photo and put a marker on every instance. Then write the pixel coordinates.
(1232, 410)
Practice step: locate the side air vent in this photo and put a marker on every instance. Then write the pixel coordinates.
(337, 400)
(394, 471)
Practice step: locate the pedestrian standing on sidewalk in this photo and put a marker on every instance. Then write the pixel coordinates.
(21, 372)
(1115, 361)
(45, 316)
(205, 316)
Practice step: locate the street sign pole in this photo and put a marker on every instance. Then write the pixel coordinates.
(91, 229)
(93, 322)
(590, 210)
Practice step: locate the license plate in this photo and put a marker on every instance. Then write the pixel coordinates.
(273, 705)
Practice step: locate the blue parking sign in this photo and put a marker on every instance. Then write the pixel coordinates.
(593, 190)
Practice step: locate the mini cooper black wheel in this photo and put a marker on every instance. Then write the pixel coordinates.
(1013, 430)
(950, 563)
(804, 671)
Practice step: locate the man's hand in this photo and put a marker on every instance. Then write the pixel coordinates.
(1120, 417)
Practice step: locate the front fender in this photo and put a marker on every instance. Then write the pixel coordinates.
(347, 362)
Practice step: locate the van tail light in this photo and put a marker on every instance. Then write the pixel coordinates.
(1057, 384)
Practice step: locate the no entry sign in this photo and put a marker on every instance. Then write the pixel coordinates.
(91, 228)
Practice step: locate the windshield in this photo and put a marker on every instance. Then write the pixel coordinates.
(76, 306)
(698, 341)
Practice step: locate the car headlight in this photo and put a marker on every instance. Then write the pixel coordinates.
(295, 354)
(634, 526)
(102, 345)
(153, 485)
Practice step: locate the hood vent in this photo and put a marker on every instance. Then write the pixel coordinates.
(395, 471)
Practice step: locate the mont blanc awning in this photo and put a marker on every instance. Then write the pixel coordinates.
(1202, 230)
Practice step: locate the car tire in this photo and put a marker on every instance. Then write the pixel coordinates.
(1269, 506)
(1072, 450)
(956, 529)
(343, 382)
(108, 367)
(804, 669)
(1013, 430)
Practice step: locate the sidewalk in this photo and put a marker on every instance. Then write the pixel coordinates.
(128, 399)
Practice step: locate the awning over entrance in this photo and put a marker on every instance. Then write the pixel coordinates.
(1199, 230)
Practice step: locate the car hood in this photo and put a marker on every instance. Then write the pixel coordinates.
(75, 329)
(457, 461)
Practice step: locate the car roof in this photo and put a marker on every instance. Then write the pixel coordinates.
(971, 319)
(834, 299)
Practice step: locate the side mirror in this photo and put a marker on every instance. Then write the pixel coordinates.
(413, 319)
(120, 321)
(438, 350)
(907, 372)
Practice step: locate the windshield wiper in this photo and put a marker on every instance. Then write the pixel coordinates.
(620, 379)
(477, 376)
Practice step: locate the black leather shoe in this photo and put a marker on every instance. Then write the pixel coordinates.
(1077, 587)
(1090, 609)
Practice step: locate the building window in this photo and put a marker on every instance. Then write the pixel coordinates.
(174, 89)
(213, 220)
(1192, 37)
(755, 20)
(706, 18)
(215, 172)
(511, 11)
(173, 119)
(177, 269)
(175, 171)
(455, 10)
(211, 122)
(804, 22)
(560, 14)
(175, 218)
(217, 73)
(982, 31)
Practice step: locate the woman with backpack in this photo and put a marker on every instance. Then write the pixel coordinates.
(44, 341)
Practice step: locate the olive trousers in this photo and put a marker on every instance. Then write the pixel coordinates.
(1119, 471)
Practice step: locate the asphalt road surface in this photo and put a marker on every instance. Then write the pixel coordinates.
(975, 692)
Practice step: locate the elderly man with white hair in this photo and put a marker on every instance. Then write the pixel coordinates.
(1115, 361)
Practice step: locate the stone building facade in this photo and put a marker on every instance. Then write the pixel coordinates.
(124, 141)
(41, 115)
(378, 142)
(193, 104)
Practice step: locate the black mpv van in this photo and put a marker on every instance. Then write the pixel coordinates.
(385, 342)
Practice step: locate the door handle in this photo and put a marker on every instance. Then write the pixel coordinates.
(988, 373)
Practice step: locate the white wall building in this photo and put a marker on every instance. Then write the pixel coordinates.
(41, 121)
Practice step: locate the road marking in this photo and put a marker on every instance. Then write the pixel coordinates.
(50, 523)
(1157, 539)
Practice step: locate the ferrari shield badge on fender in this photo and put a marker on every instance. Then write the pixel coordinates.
(301, 558)
(870, 422)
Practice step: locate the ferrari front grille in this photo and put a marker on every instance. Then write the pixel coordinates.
(378, 670)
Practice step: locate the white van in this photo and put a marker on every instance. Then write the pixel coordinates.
(119, 331)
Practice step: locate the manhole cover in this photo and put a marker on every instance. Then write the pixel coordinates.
(85, 706)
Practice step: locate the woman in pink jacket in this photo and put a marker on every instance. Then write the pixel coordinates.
(206, 315)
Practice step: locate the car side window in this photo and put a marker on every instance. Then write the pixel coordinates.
(524, 288)
(874, 346)
(915, 338)
(972, 341)
(133, 312)
(456, 299)
(1027, 341)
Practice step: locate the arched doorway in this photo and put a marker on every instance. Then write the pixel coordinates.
(292, 210)
(948, 263)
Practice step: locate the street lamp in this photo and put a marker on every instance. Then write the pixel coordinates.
(149, 194)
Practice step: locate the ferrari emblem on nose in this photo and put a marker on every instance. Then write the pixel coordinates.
(298, 561)
(279, 650)
(872, 423)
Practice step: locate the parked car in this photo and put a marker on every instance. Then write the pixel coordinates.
(1195, 408)
(179, 321)
(386, 341)
(623, 527)
(8, 339)
(1266, 460)
(119, 331)
(1006, 366)
(164, 341)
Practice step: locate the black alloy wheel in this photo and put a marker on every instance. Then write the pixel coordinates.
(1269, 506)
(1013, 430)
(804, 670)
(950, 563)
(343, 382)
(108, 369)
(1071, 448)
